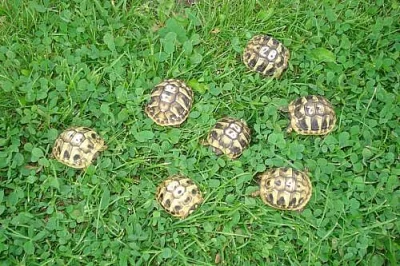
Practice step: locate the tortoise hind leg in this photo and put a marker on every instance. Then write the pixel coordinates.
(289, 128)
(217, 151)
(284, 109)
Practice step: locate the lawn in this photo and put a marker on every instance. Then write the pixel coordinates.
(95, 63)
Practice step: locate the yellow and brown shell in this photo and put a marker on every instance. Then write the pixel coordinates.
(285, 188)
(229, 136)
(179, 196)
(170, 103)
(266, 55)
(311, 115)
(77, 147)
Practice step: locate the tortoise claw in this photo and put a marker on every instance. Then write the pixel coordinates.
(255, 193)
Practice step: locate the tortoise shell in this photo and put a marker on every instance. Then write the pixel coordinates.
(77, 147)
(285, 188)
(229, 136)
(179, 196)
(266, 55)
(311, 115)
(170, 103)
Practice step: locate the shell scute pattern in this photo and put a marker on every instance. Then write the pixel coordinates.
(229, 136)
(78, 147)
(179, 196)
(266, 55)
(311, 115)
(285, 188)
(170, 103)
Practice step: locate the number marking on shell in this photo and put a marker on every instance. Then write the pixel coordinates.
(311, 115)
(266, 55)
(179, 196)
(78, 147)
(229, 136)
(170, 103)
(285, 188)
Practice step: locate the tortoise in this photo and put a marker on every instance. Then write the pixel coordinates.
(179, 196)
(78, 147)
(170, 103)
(229, 136)
(285, 188)
(266, 55)
(311, 115)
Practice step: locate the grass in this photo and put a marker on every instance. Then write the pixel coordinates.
(94, 63)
